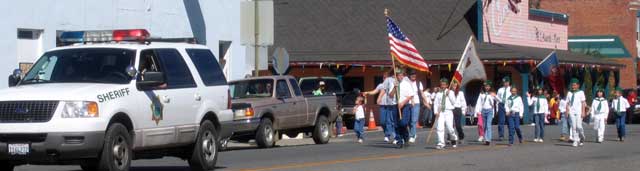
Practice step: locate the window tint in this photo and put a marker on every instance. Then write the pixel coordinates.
(175, 69)
(282, 89)
(295, 87)
(207, 67)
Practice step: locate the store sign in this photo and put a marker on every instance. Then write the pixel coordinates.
(503, 25)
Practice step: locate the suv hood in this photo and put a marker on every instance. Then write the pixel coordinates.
(58, 91)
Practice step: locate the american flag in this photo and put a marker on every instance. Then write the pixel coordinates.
(402, 48)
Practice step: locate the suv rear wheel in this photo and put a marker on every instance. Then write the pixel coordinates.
(116, 152)
(321, 130)
(205, 151)
(265, 135)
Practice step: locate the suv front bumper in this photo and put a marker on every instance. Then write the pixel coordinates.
(52, 148)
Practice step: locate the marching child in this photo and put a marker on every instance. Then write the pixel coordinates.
(359, 123)
(576, 104)
(443, 106)
(540, 111)
(514, 109)
(485, 110)
(620, 105)
(599, 112)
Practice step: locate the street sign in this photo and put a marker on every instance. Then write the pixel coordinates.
(280, 60)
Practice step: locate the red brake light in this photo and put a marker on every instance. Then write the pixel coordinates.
(130, 35)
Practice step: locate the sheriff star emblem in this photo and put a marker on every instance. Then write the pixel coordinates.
(156, 110)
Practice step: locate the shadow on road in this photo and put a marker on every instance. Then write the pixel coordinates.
(165, 168)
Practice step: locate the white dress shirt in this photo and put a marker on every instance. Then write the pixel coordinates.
(514, 105)
(575, 106)
(415, 88)
(448, 101)
(624, 104)
(603, 109)
(562, 106)
(485, 101)
(544, 105)
(460, 102)
(503, 92)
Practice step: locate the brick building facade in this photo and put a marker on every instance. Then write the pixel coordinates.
(602, 17)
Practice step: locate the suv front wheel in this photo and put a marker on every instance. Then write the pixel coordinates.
(205, 151)
(116, 152)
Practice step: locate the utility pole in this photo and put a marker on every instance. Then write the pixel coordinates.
(256, 29)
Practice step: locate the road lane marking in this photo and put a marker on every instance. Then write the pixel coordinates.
(371, 158)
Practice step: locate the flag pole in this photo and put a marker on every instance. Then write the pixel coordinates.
(393, 66)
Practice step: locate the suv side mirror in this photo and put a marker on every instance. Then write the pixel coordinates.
(150, 79)
(14, 78)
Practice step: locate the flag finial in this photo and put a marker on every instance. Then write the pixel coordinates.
(386, 12)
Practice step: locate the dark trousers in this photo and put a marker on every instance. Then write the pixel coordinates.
(457, 118)
(514, 127)
(501, 119)
(620, 124)
(402, 130)
(629, 118)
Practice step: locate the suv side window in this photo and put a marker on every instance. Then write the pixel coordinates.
(282, 89)
(176, 71)
(207, 67)
(294, 85)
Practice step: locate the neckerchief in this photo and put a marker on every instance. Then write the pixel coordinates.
(444, 97)
(573, 94)
(600, 100)
(538, 102)
(511, 98)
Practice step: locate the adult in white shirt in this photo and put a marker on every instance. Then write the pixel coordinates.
(428, 99)
(443, 108)
(503, 93)
(416, 86)
(484, 109)
(459, 109)
(619, 106)
(599, 112)
(576, 104)
(515, 111)
(540, 112)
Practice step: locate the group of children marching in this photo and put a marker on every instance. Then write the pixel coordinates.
(448, 102)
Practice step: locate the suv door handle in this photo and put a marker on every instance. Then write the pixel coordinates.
(198, 97)
(166, 99)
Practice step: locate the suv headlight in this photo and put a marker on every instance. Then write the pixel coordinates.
(80, 109)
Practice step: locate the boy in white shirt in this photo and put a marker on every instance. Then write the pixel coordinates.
(540, 112)
(576, 103)
(514, 109)
(443, 106)
(599, 112)
(619, 106)
(358, 125)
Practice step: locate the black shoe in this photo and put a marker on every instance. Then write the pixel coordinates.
(400, 146)
(487, 143)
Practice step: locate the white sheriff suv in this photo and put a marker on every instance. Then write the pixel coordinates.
(101, 105)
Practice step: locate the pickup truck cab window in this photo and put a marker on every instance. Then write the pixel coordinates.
(251, 89)
(87, 65)
(282, 89)
(296, 88)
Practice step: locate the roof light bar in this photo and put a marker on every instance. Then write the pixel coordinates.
(105, 36)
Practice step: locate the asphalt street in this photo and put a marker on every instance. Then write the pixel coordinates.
(344, 154)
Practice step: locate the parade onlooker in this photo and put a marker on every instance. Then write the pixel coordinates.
(358, 125)
(460, 106)
(631, 97)
(428, 104)
(565, 122)
(620, 105)
(320, 90)
(599, 112)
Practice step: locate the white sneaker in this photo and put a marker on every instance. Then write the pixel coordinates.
(394, 142)
(360, 141)
(575, 144)
(439, 146)
(454, 146)
(581, 144)
(340, 135)
(481, 139)
(412, 140)
(541, 141)
(386, 139)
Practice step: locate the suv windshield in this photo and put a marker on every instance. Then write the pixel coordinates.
(251, 88)
(86, 65)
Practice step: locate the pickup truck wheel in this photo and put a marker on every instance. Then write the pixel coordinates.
(265, 134)
(116, 151)
(6, 166)
(321, 130)
(205, 151)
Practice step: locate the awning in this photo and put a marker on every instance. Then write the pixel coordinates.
(605, 45)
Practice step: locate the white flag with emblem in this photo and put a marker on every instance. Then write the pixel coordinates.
(470, 66)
